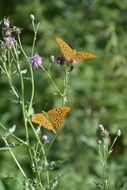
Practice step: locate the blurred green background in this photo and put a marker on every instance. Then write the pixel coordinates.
(98, 87)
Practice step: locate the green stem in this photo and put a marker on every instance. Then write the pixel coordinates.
(22, 102)
(35, 35)
(31, 72)
(35, 152)
(43, 152)
(20, 140)
(53, 139)
(20, 45)
(32, 90)
(22, 95)
(9, 62)
(64, 100)
(31, 69)
(32, 83)
(66, 81)
(113, 144)
(16, 161)
(54, 84)
(105, 157)
(5, 71)
(101, 156)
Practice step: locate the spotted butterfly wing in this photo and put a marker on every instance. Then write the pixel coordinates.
(65, 48)
(51, 119)
(41, 119)
(57, 115)
(71, 54)
(79, 56)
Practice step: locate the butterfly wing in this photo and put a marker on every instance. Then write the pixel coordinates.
(71, 54)
(57, 115)
(79, 56)
(41, 119)
(65, 48)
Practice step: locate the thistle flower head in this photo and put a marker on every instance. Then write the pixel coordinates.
(35, 60)
(104, 132)
(5, 23)
(60, 60)
(8, 42)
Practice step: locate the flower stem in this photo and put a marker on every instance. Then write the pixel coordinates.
(5, 71)
(22, 102)
(35, 35)
(20, 140)
(66, 81)
(104, 154)
(64, 100)
(105, 157)
(43, 152)
(54, 84)
(16, 161)
(31, 69)
(113, 144)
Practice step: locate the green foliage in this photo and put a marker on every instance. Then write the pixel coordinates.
(97, 92)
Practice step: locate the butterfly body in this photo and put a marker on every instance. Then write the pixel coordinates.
(73, 55)
(51, 119)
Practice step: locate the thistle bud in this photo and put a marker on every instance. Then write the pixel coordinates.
(44, 137)
(32, 17)
(119, 133)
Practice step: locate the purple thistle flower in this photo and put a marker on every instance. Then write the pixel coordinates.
(35, 60)
(9, 41)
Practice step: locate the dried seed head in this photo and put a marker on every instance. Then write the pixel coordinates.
(6, 32)
(5, 23)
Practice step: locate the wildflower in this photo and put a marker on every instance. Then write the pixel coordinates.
(5, 23)
(8, 42)
(44, 137)
(35, 60)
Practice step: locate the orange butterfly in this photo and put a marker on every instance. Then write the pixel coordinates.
(51, 119)
(70, 54)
